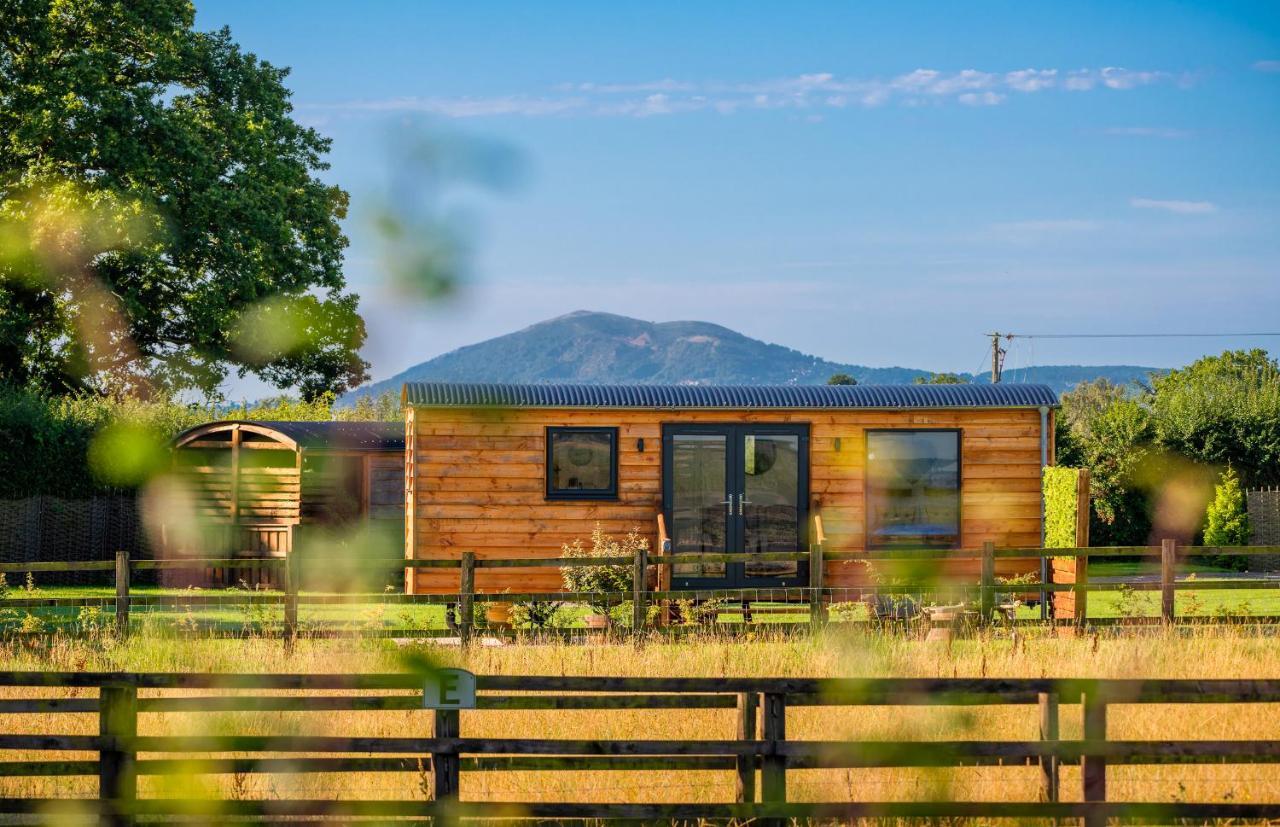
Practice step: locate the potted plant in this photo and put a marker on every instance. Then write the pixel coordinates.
(497, 614)
(604, 585)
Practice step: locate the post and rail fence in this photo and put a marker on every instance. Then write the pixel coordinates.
(759, 755)
(819, 595)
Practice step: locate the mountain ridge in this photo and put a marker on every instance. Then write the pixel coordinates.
(592, 347)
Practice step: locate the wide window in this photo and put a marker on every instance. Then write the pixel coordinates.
(582, 463)
(913, 489)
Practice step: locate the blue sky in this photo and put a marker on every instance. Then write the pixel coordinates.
(872, 183)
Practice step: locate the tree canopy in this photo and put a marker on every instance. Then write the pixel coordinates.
(158, 205)
(941, 379)
(1141, 443)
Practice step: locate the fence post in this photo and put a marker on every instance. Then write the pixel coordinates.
(748, 703)
(1093, 767)
(639, 590)
(122, 594)
(117, 767)
(1081, 590)
(1168, 569)
(291, 584)
(466, 597)
(1049, 785)
(987, 588)
(817, 564)
(445, 765)
(773, 773)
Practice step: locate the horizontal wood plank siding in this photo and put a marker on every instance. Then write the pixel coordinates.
(476, 483)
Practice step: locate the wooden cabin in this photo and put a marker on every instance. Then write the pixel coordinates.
(257, 485)
(519, 470)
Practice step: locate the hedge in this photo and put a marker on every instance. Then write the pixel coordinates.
(1060, 504)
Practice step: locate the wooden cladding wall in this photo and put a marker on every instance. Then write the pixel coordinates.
(249, 494)
(476, 483)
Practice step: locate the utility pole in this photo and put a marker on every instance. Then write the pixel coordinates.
(997, 356)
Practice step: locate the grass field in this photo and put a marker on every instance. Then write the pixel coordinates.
(152, 604)
(1220, 652)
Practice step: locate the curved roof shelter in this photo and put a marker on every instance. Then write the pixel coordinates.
(264, 479)
(727, 397)
(311, 436)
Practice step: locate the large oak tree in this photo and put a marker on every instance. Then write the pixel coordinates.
(157, 201)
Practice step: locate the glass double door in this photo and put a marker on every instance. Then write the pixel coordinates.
(736, 489)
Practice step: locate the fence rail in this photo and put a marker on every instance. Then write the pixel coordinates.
(816, 597)
(758, 757)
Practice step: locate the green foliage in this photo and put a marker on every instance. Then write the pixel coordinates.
(941, 379)
(1140, 444)
(841, 379)
(158, 204)
(1223, 411)
(536, 614)
(1227, 518)
(1059, 485)
(605, 581)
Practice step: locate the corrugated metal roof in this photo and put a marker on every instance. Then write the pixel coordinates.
(467, 395)
(351, 436)
(333, 436)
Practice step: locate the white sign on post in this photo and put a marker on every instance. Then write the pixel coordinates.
(450, 689)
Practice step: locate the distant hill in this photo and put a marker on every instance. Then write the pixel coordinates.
(600, 348)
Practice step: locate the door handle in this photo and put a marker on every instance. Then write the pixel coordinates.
(728, 502)
(742, 500)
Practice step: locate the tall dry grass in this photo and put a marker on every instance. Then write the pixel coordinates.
(1221, 652)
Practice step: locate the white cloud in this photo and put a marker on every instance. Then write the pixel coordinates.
(808, 91)
(1174, 206)
(1031, 80)
(1267, 66)
(980, 98)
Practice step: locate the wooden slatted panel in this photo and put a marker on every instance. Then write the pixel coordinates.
(477, 483)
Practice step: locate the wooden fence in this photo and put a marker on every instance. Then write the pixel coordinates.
(759, 757)
(981, 595)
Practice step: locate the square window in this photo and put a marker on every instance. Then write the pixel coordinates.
(913, 489)
(582, 463)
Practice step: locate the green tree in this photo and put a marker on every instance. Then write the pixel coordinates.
(1118, 453)
(1223, 411)
(156, 193)
(841, 379)
(941, 379)
(1227, 518)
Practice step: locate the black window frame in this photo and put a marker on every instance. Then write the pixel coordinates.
(866, 487)
(610, 493)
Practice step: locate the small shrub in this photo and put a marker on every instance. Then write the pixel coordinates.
(602, 582)
(1227, 520)
(536, 614)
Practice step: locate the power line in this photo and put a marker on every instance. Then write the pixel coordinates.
(998, 353)
(1131, 335)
